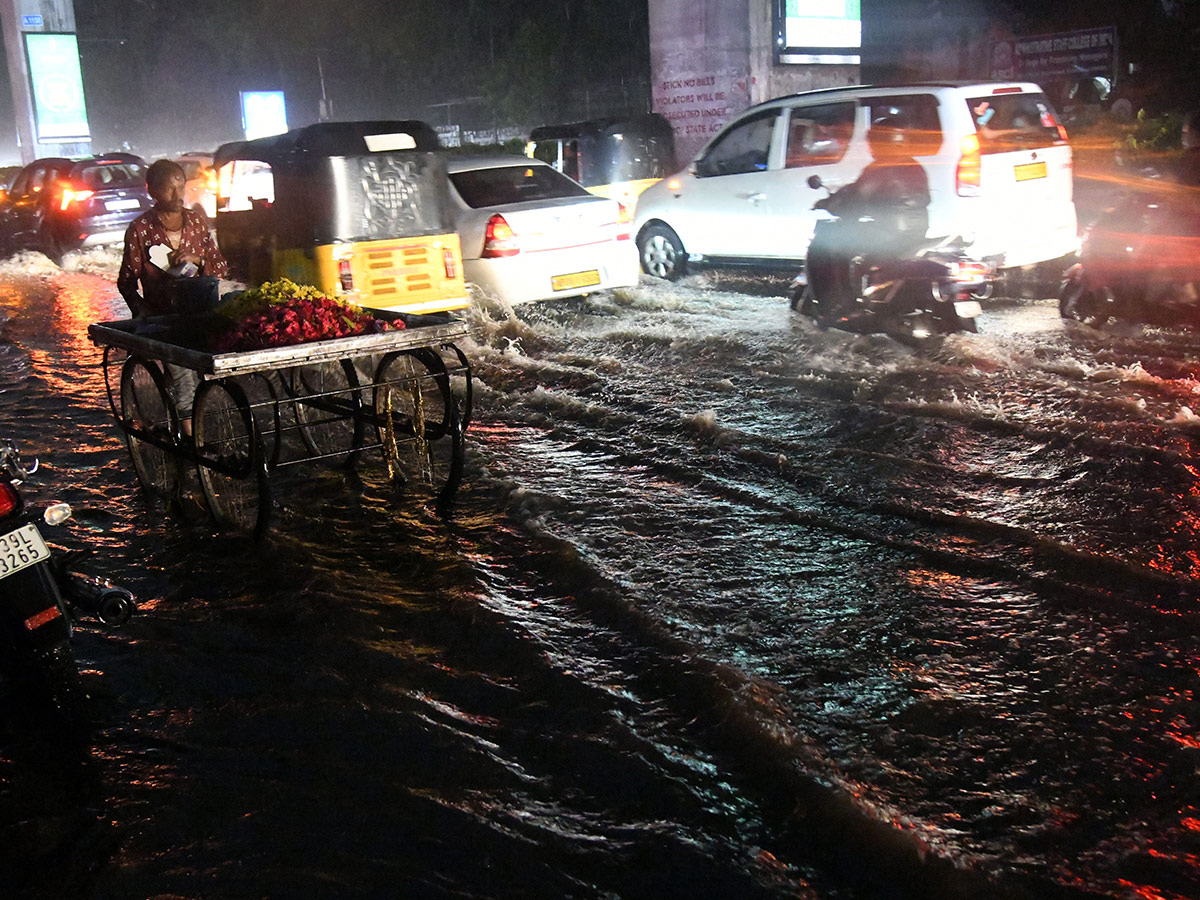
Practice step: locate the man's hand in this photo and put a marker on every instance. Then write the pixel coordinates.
(178, 258)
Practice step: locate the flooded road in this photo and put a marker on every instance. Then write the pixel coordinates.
(729, 607)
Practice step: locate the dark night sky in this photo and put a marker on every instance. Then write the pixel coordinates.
(165, 74)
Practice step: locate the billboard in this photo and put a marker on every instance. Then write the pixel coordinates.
(263, 114)
(818, 31)
(58, 105)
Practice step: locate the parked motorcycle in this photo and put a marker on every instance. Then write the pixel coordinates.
(41, 591)
(1139, 262)
(856, 279)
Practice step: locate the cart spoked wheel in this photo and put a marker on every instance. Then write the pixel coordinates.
(113, 365)
(328, 406)
(151, 425)
(418, 421)
(231, 467)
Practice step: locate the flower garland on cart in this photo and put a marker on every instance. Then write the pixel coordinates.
(281, 313)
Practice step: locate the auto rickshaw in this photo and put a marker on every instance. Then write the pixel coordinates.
(614, 157)
(360, 210)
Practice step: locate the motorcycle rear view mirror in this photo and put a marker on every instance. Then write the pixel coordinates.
(814, 182)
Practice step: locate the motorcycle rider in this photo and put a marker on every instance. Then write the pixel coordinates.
(884, 215)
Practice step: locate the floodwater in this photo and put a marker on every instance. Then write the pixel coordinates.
(728, 606)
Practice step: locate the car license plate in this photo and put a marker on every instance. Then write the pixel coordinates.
(21, 548)
(1030, 171)
(115, 205)
(575, 280)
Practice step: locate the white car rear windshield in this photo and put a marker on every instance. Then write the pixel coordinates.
(513, 184)
(1022, 121)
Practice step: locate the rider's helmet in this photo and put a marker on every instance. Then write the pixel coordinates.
(885, 137)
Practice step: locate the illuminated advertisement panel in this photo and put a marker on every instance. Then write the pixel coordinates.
(818, 31)
(57, 82)
(264, 113)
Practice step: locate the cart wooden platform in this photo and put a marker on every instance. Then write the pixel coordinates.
(404, 393)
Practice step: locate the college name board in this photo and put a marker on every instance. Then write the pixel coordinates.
(1087, 53)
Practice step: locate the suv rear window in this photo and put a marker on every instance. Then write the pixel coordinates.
(1014, 122)
(99, 176)
(513, 184)
(916, 115)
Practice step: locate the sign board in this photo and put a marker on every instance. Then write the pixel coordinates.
(58, 105)
(449, 135)
(818, 31)
(1079, 54)
(263, 113)
(698, 104)
(32, 21)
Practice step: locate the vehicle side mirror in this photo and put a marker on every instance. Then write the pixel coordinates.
(814, 181)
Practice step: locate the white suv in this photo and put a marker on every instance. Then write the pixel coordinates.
(998, 164)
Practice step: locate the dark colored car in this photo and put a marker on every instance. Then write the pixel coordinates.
(55, 204)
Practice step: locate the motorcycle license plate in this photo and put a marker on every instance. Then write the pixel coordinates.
(967, 309)
(21, 548)
(1030, 171)
(575, 280)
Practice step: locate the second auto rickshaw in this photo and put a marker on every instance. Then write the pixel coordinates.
(360, 210)
(614, 157)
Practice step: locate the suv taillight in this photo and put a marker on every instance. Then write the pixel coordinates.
(499, 240)
(10, 500)
(968, 176)
(71, 195)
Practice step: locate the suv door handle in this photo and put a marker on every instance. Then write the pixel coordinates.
(755, 197)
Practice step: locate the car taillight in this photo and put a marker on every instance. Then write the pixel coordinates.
(499, 240)
(70, 195)
(1062, 133)
(968, 176)
(345, 276)
(624, 217)
(10, 500)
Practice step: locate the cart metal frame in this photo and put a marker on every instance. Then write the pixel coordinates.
(406, 393)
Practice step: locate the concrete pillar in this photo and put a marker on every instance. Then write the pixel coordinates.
(16, 18)
(710, 59)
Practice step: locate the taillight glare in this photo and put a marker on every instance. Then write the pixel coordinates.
(624, 218)
(968, 177)
(499, 239)
(10, 500)
(70, 195)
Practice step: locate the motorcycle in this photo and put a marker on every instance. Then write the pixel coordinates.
(1138, 263)
(41, 591)
(856, 280)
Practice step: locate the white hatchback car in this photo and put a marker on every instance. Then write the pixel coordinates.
(529, 232)
(998, 163)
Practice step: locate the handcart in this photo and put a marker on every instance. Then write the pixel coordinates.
(405, 393)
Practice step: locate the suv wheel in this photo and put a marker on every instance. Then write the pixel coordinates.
(662, 253)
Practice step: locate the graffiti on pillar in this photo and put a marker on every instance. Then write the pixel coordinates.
(699, 104)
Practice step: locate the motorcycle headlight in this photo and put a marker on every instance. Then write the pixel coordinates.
(57, 513)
